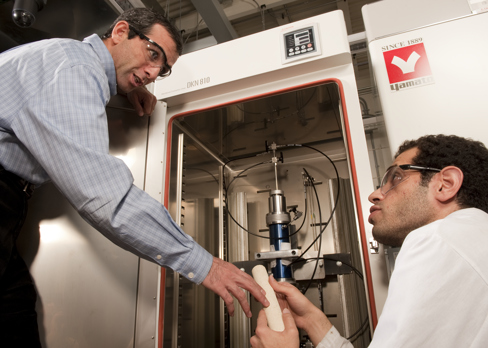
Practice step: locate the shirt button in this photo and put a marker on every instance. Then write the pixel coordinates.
(158, 257)
(191, 275)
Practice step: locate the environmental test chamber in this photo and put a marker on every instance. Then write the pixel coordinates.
(265, 161)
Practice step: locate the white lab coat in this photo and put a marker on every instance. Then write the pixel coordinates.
(438, 293)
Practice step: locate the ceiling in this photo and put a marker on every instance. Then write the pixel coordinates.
(59, 18)
(251, 16)
(202, 22)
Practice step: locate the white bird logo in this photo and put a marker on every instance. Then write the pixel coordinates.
(406, 66)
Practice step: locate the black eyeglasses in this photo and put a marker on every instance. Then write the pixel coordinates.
(396, 175)
(165, 69)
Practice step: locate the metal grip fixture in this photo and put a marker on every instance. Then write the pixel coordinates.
(277, 209)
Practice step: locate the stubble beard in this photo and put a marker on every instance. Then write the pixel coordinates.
(406, 217)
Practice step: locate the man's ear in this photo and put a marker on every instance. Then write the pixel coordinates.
(448, 183)
(120, 31)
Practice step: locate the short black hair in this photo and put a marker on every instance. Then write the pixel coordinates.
(439, 151)
(143, 19)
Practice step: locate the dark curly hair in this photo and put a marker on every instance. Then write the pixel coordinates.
(439, 151)
(143, 19)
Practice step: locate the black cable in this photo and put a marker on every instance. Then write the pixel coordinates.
(205, 171)
(236, 159)
(226, 202)
(245, 170)
(335, 204)
(360, 275)
(320, 221)
(355, 270)
(358, 331)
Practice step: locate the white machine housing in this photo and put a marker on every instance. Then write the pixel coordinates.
(252, 67)
(445, 90)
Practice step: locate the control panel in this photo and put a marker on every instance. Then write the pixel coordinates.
(299, 43)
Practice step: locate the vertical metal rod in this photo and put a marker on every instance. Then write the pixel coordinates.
(275, 168)
(176, 276)
(276, 174)
(221, 252)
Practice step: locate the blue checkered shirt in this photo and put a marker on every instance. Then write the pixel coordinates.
(53, 126)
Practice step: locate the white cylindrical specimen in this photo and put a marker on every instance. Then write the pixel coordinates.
(273, 312)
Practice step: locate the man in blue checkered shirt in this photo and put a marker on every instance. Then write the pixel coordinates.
(53, 127)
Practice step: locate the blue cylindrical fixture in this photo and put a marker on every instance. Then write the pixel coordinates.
(277, 221)
(279, 234)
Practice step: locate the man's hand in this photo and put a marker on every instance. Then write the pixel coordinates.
(267, 338)
(225, 279)
(143, 101)
(306, 315)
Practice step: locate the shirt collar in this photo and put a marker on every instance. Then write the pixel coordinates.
(106, 59)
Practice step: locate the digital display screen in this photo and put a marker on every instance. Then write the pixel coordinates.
(302, 38)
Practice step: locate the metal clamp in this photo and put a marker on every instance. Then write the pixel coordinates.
(281, 254)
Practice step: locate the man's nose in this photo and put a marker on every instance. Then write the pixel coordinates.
(151, 73)
(376, 195)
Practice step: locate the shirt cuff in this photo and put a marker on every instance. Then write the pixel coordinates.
(198, 265)
(333, 339)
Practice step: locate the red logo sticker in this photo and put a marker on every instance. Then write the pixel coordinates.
(407, 63)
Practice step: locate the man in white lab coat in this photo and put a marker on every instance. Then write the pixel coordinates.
(433, 202)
